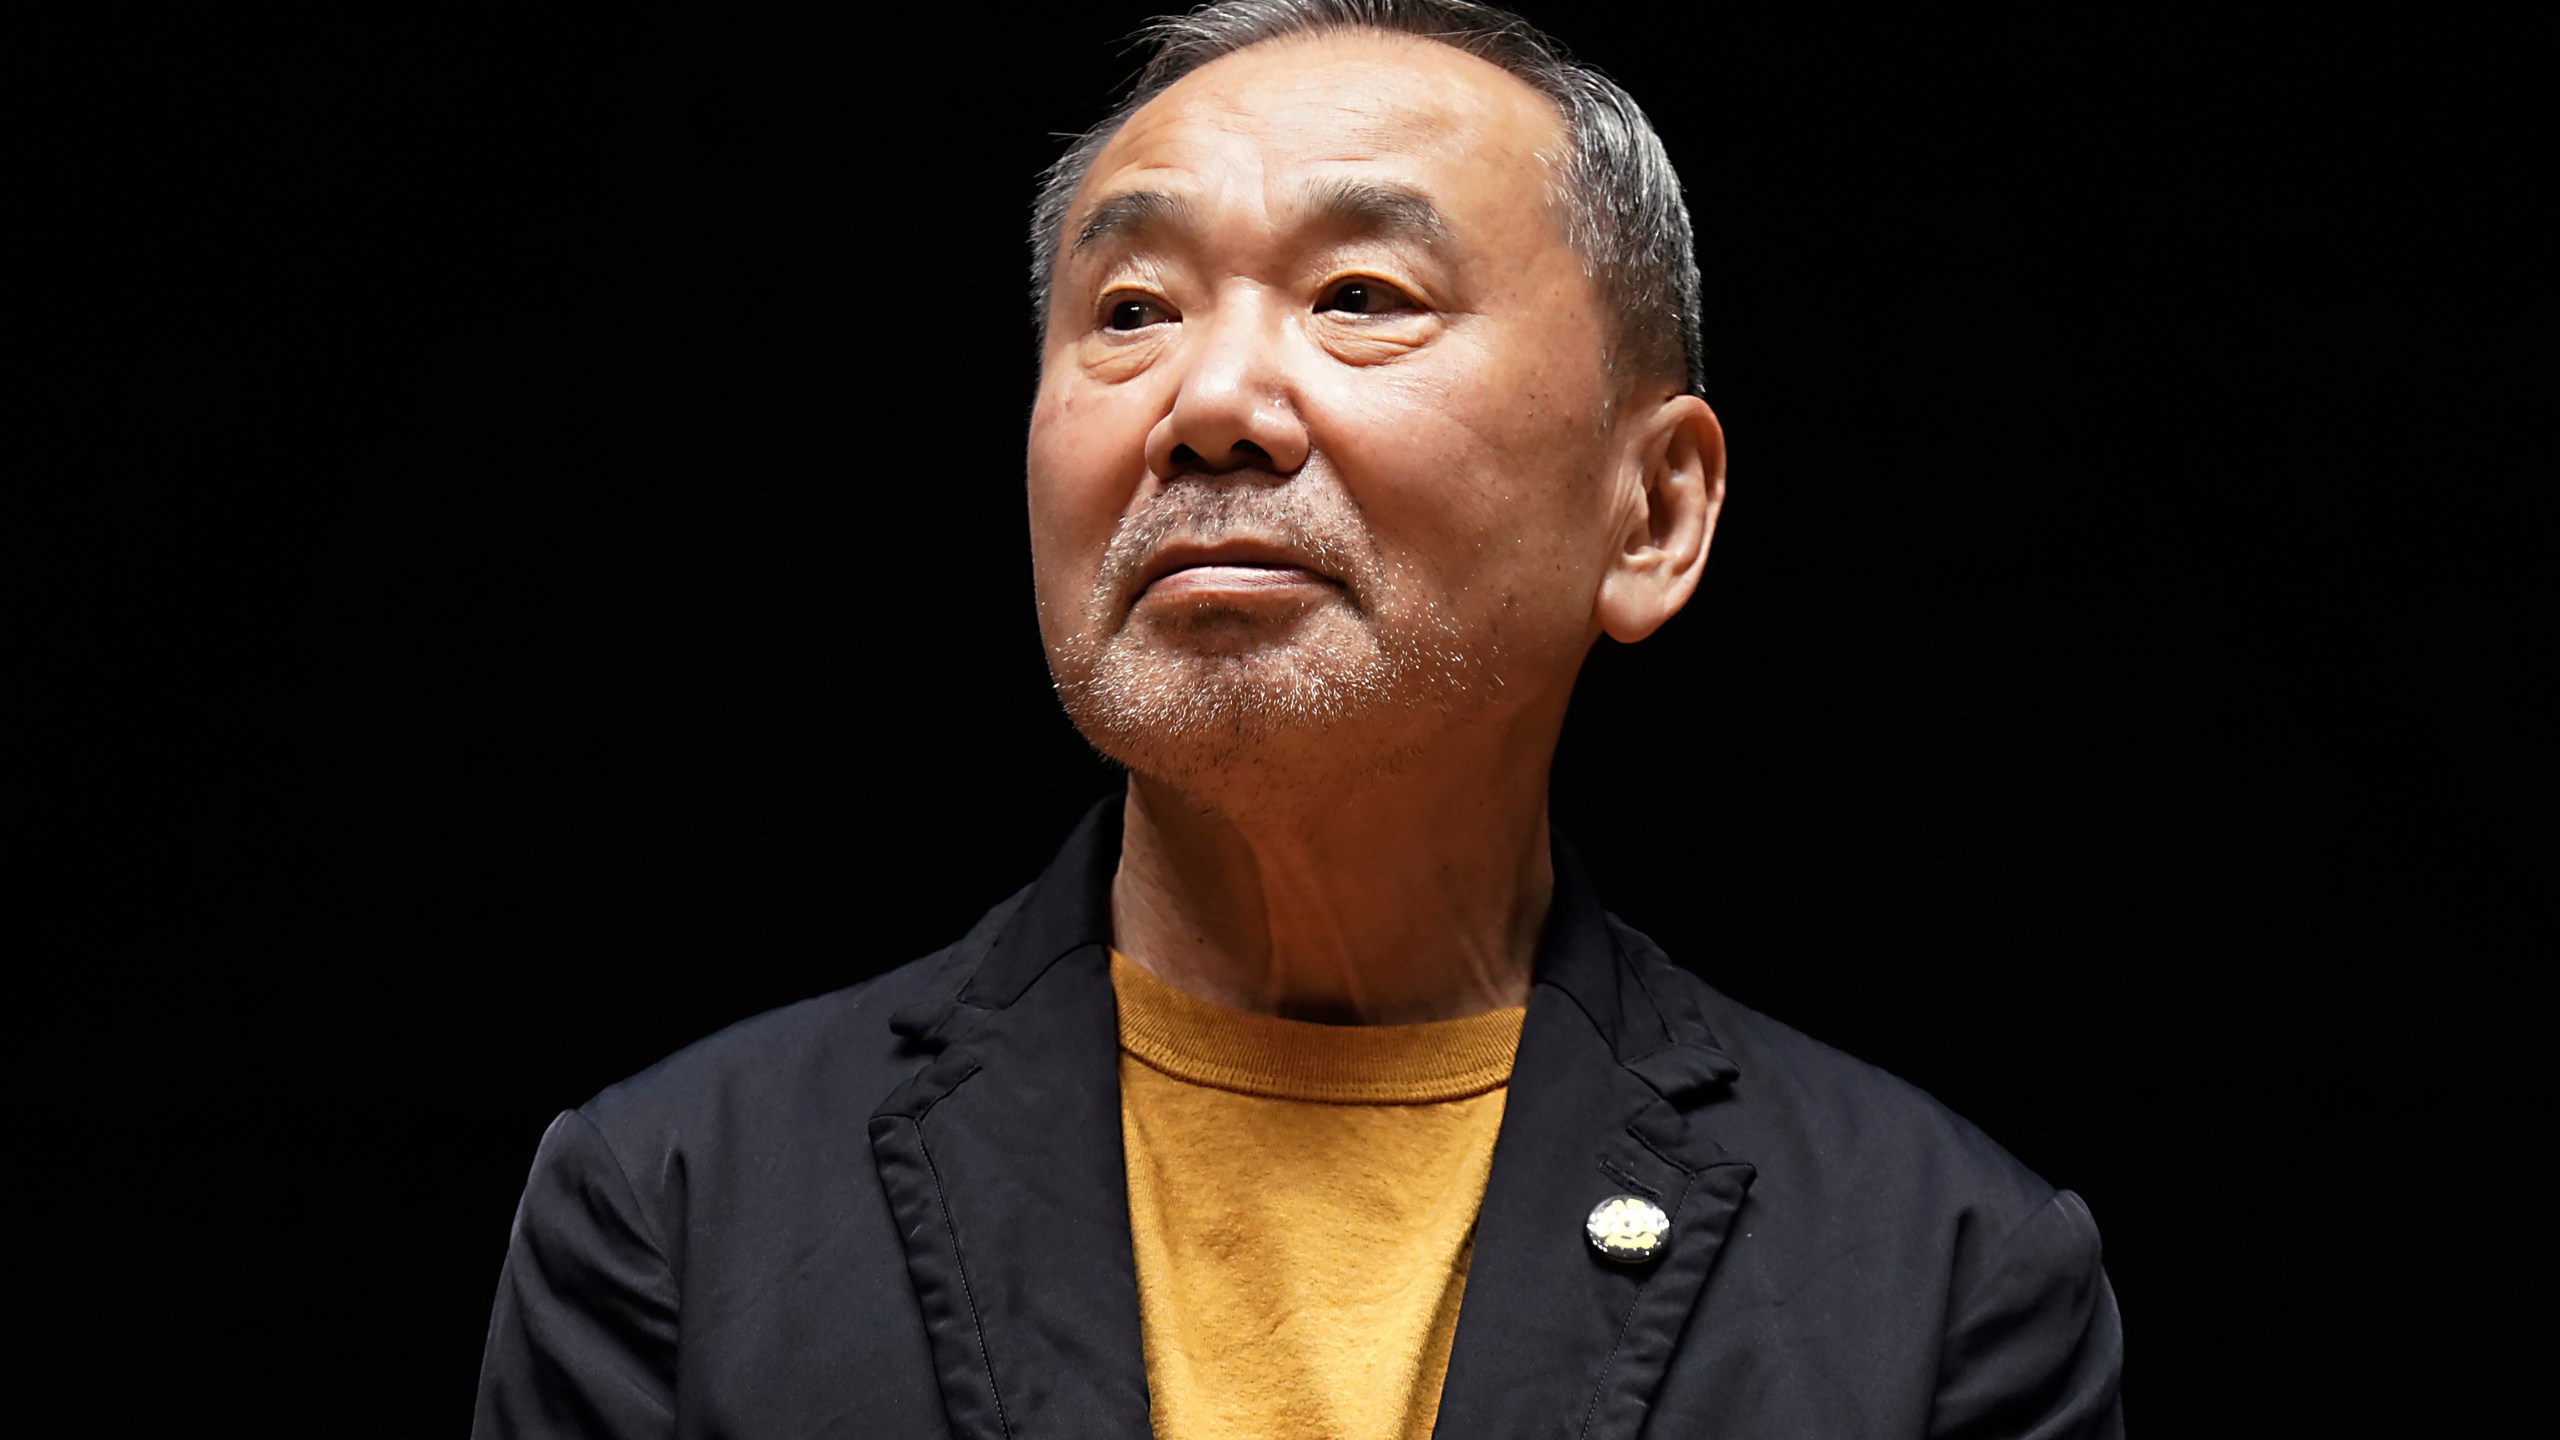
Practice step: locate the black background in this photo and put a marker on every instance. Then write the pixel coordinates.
(540, 574)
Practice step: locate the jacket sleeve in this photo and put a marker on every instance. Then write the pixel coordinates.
(582, 1341)
(2034, 1349)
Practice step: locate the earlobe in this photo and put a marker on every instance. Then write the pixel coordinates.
(1663, 550)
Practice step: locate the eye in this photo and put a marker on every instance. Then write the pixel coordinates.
(1131, 312)
(1364, 296)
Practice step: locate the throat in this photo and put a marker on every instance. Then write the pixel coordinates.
(1377, 915)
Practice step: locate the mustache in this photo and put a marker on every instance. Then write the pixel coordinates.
(1318, 523)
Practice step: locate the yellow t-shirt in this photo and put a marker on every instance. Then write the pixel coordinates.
(1303, 1201)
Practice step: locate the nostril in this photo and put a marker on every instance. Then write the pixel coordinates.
(1240, 455)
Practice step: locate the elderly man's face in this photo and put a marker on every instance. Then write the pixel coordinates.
(1323, 448)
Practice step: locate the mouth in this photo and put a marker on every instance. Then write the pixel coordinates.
(1235, 568)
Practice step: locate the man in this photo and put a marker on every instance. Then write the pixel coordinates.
(1310, 1092)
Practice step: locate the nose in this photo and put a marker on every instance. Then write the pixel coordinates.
(1233, 408)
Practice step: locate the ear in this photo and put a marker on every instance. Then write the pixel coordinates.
(1678, 456)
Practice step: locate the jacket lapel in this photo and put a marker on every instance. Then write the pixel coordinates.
(1002, 1160)
(1553, 1339)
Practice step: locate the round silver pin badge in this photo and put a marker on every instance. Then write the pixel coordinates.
(1628, 1228)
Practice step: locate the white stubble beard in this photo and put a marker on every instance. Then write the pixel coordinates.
(1349, 692)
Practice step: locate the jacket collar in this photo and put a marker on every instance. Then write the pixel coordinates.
(1002, 1159)
(1066, 910)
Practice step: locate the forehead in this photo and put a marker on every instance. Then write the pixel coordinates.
(1463, 129)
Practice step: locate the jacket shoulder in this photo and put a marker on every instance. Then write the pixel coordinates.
(708, 1238)
(1936, 1274)
(829, 1055)
(1843, 1127)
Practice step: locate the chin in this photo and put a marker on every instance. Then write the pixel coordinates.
(1209, 714)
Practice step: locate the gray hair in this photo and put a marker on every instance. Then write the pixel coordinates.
(1621, 199)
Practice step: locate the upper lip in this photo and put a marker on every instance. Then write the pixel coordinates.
(1236, 550)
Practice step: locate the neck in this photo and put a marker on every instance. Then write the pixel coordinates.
(1382, 899)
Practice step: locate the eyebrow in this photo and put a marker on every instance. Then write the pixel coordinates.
(1395, 212)
(1367, 207)
(1131, 212)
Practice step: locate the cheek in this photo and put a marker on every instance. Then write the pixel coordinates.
(1478, 475)
(1084, 462)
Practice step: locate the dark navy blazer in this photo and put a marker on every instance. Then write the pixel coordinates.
(899, 1210)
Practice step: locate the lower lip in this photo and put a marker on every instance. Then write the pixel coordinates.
(1201, 582)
